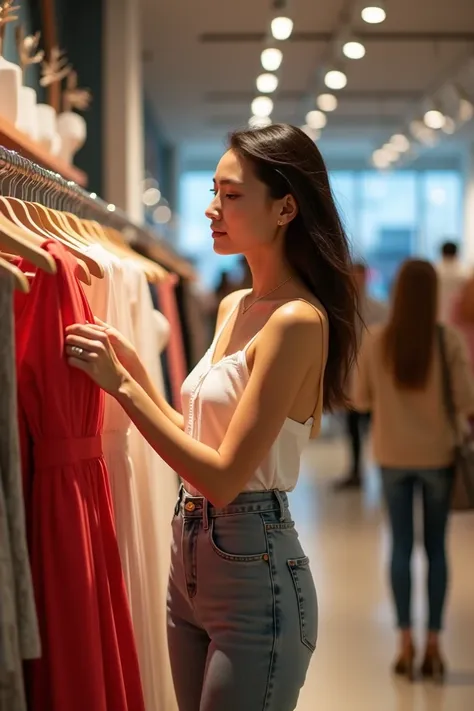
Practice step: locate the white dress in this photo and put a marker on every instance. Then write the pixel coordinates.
(110, 301)
(160, 483)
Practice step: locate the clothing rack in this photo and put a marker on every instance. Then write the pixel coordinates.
(22, 178)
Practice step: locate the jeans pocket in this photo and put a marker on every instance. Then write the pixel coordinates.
(306, 599)
(240, 539)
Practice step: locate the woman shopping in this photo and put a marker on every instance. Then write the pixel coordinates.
(242, 608)
(400, 381)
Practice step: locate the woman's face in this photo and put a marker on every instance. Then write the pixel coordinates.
(243, 215)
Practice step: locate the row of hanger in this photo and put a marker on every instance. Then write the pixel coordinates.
(44, 212)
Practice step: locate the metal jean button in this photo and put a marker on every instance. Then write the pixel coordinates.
(190, 506)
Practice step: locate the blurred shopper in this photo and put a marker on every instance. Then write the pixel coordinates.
(462, 315)
(399, 379)
(372, 312)
(452, 276)
(242, 605)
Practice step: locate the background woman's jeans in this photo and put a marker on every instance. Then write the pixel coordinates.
(242, 608)
(400, 486)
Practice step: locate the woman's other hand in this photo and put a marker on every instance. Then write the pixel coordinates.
(90, 349)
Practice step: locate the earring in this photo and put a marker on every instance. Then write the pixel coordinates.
(280, 223)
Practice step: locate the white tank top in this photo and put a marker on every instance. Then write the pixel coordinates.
(210, 395)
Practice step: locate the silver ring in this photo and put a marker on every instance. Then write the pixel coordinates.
(77, 351)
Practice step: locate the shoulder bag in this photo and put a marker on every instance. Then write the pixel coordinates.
(463, 487)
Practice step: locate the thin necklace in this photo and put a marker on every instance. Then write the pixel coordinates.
(259, 298)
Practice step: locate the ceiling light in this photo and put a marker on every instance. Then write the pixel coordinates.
(262, 106)
(260, 121)
(374, 13)
(316, 120)
(380, 159)
(400, 142)
(466, 110)
(267, 83)
(162, 214)
(449, 126)
(271, 59)
(353, 50)
(335, 79)
(111, 207)
(282, 27)
(391, 152)
(151, 197)
(327, 102)
(434, 119)
(312, 133)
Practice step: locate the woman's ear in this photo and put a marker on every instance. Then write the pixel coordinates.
(289, 210)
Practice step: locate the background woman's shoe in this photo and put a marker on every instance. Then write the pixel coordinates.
(405, 665)
(433, 666)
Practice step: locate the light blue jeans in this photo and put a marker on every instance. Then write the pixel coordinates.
(242, 607)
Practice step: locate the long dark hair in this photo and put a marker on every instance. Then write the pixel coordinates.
(316, 246)
(409, 337)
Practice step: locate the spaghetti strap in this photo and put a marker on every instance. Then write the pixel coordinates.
(225, 323)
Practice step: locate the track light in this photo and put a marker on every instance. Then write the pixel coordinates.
(260, 121)
(316, 120)
(271, 59)
(262, 106)
(327, 102)
(380, 159)
(282, 27)
(435, 119)
(353, 49)
(335, 79)
(400, 142)
(312, 133)
(374, 12)
(267, 83)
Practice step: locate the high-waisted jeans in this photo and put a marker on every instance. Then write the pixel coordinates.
(435, 486)
(242, 607)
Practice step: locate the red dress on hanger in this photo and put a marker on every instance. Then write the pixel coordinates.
(88, 662)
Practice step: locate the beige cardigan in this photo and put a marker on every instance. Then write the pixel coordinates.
(410, 428)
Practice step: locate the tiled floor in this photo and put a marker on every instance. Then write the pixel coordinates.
(345, 536)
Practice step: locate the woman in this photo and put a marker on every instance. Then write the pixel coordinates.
(242, 610)
(399, 379)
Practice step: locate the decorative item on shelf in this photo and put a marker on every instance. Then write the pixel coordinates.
(29, 54)
(10, 73)
(53, 71)
(71, 126)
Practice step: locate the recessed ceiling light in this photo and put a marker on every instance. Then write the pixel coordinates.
(400, 142)
(374, 13)
(335, 79)
(271, 59)
(262, 106)
(260, 121)
(282, 27)
(353, 49)
(434, 119)
(316, 120)
(267, 83)
(327, 102)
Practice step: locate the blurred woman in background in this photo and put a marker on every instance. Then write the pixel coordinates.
(399, 379)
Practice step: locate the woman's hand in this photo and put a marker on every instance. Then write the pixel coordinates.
(124, 350)
(89, 349)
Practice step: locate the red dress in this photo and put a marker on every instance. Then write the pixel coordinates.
(88, 662)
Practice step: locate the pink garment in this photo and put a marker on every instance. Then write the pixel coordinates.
(466, 328)
(176, 357)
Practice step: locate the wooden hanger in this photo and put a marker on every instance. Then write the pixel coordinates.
(12, 240)
(20, 281)
(154, 272)
(18, 212)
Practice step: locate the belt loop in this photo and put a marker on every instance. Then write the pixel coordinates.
(178, 502)
(205, 514)
(281, 504)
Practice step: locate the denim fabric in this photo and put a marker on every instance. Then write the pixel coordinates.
(400, 486)
(242, 607)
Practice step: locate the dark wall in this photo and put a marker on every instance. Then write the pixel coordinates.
(80, 27)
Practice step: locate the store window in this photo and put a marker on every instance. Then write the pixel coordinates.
(388, 217)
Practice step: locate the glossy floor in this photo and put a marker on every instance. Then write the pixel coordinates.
(346, 538)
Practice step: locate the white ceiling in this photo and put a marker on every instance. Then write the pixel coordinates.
(201, 79)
